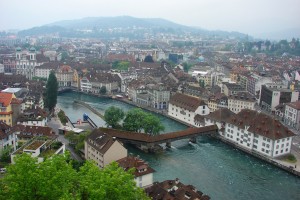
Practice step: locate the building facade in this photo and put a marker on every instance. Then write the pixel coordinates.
(240, 101)
(103, 149)
(185, 108)
(292, 115)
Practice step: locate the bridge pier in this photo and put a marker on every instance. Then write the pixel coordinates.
(168, 144)
(193, 140)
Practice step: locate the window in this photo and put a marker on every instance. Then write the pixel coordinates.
(262, 149)
(281, 151)
(286, 150)
(276, 152)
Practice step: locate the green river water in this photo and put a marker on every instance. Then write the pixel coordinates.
(216, 169)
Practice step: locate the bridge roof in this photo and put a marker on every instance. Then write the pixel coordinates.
(142, 137)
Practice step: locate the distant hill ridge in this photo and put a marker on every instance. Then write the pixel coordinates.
(67, 27)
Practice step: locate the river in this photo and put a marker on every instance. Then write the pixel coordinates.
(216, 169)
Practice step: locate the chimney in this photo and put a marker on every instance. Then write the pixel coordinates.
(176, 181)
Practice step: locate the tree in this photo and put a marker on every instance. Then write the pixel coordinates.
(52, 179)
(201, 83)
(55, 178)
(134, 120)
(113, 116)
(5, 154)
(148, 58)
(112, 183)
(103, 90)
(152, 124)
(51, 92)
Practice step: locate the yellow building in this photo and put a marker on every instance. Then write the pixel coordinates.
(6, 112)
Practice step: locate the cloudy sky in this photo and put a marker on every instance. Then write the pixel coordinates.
(253, 17)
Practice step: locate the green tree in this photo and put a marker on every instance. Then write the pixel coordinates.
(5, 155)
(113, 116)
(55, 178)
(201, 83)
(52, 179)
(152, 125)
(103, 90)
(51, 92)
(112, 183)
(134, 120)
(62, 117)
(148, 58)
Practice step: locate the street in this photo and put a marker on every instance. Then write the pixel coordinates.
(55, 124)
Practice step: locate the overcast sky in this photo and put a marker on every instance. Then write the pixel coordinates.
(247, 16)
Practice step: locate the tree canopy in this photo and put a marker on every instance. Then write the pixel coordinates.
(51, 92)
(137, 120)
(148, 58)
(113, 116)
(103, 90)
(56, 179)
(134, 120)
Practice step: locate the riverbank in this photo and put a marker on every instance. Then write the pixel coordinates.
(206, 164)
(293, 168)
(286, 166)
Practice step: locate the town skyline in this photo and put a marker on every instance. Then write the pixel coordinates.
(267, 19)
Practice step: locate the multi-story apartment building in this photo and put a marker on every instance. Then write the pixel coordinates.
(292, 114)
(103, 149)
(231, 88)
(257, 132)
(44, 70)
(217, 101)
(185, 108)
(111, 82)
(7, 137)
(7, 102)
(273, 94)
(85, 85)
(10, 65)
(240, 101)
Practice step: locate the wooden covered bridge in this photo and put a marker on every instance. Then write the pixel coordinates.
(148, 142)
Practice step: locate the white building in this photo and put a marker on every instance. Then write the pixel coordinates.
(26, 61)
(103, 149)
(258, 132)
(7, 138)
(143, 174)
(292, 114)
(44, 70)
(85, 85)
(240, 101)
(185, 108)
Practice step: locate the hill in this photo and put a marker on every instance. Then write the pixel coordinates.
(131, 27)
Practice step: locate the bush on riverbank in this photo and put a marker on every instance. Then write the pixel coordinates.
(290, 158)
(62, 117)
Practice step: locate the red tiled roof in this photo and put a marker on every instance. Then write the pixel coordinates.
(140, 167)
(141, 137)
(295, 105)
(261, 124)
(185, 101)
(5, 98)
